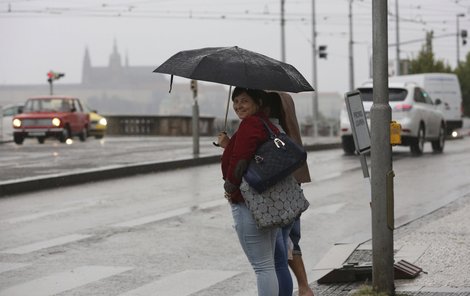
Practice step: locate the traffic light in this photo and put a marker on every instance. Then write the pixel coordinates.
(463, 34)
(322, 52)
(194, 87)
(51, 76)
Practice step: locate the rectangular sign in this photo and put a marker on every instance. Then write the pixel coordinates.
(358, 121)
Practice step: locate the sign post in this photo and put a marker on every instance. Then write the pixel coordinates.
(360, 131)
(195, 118)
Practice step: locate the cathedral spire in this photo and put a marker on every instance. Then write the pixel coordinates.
(86, 67)
(115, 57)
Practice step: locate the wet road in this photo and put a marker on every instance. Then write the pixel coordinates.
(172, 232)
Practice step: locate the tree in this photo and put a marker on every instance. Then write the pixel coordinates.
(425, 62)
(463, 73)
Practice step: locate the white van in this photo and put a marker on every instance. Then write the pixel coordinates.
(442, 86)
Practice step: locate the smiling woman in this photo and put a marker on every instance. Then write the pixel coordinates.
(258, 244)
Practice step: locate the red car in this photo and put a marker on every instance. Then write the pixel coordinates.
(51, 116)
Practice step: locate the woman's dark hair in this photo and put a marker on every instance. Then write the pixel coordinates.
(272, 100)
(258, 95)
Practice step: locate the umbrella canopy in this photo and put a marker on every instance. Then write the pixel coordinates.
(235, 66)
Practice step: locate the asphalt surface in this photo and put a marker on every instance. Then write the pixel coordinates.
(443, 236)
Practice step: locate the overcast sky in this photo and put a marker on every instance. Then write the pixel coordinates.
(41, 35)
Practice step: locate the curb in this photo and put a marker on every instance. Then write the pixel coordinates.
(9, 188)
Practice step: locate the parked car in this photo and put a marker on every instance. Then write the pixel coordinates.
(8, 111)
(98, 125)
(51, 116)
(420, 118)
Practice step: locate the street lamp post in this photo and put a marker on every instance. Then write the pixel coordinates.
(283, 32)
(314, 72)
(458, 37)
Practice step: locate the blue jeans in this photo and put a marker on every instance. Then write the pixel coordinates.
(280, 257)
(295, 236)
(258, 246)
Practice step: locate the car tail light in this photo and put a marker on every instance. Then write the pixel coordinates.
(344, 129)
(403, 107)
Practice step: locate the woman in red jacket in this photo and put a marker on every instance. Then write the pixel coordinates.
(258, 245)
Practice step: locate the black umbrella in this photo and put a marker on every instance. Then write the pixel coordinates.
(237, 67)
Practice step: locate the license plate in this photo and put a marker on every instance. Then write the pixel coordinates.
(36, 134)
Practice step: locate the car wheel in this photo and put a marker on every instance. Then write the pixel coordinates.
(41, 140)
(65, 135)
(348, 145)
(99, 137)
(18, 139)
(83, 135)
(417, 147)
(438, 145)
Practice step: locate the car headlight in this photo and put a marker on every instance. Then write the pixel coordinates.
(16, 122)
(103, 121)
(55, 121)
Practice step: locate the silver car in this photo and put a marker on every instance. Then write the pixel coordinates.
(412, 107)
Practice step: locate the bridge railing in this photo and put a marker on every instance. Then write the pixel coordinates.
(157, 125)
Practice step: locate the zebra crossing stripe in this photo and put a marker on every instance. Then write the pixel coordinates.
(183, 283)
(63, 281)
(154, 218)
(11, 266)
(45, 244)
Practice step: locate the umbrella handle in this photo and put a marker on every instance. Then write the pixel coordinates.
(226, 114)
(216, 144)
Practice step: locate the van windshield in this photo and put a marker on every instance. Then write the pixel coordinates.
(394, 94)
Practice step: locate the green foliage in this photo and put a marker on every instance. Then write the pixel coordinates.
(463, 73)
(425, 61)
(366, 290)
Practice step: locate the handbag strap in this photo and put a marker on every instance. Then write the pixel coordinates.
(278, 142)
(272, 135)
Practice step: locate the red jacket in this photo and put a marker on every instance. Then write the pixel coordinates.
(240, 150)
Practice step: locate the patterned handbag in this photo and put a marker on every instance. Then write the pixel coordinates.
(274, 160)
(277, 206)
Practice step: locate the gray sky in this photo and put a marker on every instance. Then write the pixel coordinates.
(42, 35)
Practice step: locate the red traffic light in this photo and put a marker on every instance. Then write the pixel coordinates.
(51, 75)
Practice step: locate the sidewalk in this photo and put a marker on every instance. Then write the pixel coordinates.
(439, 243)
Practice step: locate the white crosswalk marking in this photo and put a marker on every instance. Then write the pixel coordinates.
(182, 284)
(47, 213)
(63, 281)
(11, 266)
(45, 244)
(153, 218)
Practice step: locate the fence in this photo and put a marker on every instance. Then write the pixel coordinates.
(157, 125)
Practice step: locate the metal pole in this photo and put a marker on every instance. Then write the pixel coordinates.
(50, 88)
(458, 38)
(195, 125)
(397, 29)
(314, 73)
(381, 157)
(351, 55)
(283, 33)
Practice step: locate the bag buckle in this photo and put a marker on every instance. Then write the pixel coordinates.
(279, 143)
(258, 158)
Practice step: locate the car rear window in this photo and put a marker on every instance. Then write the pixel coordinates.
(394, 94)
